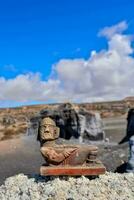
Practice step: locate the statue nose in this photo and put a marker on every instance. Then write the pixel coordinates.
(46, 128)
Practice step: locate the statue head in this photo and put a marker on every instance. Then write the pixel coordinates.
(48, 130)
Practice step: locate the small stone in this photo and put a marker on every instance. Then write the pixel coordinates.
(111, 186)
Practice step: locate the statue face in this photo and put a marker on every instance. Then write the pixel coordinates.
(47, 132)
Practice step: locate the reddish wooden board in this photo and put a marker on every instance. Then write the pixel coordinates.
(73, 170)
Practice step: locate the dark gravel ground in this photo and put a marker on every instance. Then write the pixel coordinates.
(23, 156)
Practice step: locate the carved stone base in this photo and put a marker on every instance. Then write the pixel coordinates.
(88, 170)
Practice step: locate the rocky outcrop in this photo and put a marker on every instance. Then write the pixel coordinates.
(73, 122)
(107, 187)
(10, 126)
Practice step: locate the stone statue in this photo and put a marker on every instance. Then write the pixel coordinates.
(62, 154)
(130, 164)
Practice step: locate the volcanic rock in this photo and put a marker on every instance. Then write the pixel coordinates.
(73, 122)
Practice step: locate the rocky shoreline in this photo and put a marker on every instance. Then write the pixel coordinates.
(111, 186)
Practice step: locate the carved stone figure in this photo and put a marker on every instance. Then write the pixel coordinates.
(62, 154)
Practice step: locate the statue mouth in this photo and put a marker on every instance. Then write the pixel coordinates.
(47, 135)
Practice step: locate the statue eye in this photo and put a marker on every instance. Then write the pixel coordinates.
(51, 126)
(42, 126)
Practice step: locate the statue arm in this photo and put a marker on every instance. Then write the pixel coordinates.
(52, 155)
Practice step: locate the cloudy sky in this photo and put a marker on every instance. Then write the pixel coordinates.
(57, 51)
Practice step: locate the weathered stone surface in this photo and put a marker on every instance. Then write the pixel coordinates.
(73, 122)
(64, 159)
(130, 165)
(110, 186)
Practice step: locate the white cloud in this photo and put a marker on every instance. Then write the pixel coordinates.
(105, 75)
(112, 30)
(27, 87)
(121, 43)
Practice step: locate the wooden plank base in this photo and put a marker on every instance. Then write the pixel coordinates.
(94, 169)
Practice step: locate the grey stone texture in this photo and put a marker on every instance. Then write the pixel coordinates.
(73, 122)
(111, 186)
(130, 165)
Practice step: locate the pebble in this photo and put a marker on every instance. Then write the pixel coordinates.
(110, 186)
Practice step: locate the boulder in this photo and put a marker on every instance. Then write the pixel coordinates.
(73, 122)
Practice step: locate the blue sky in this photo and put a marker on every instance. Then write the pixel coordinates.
(36, 34)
